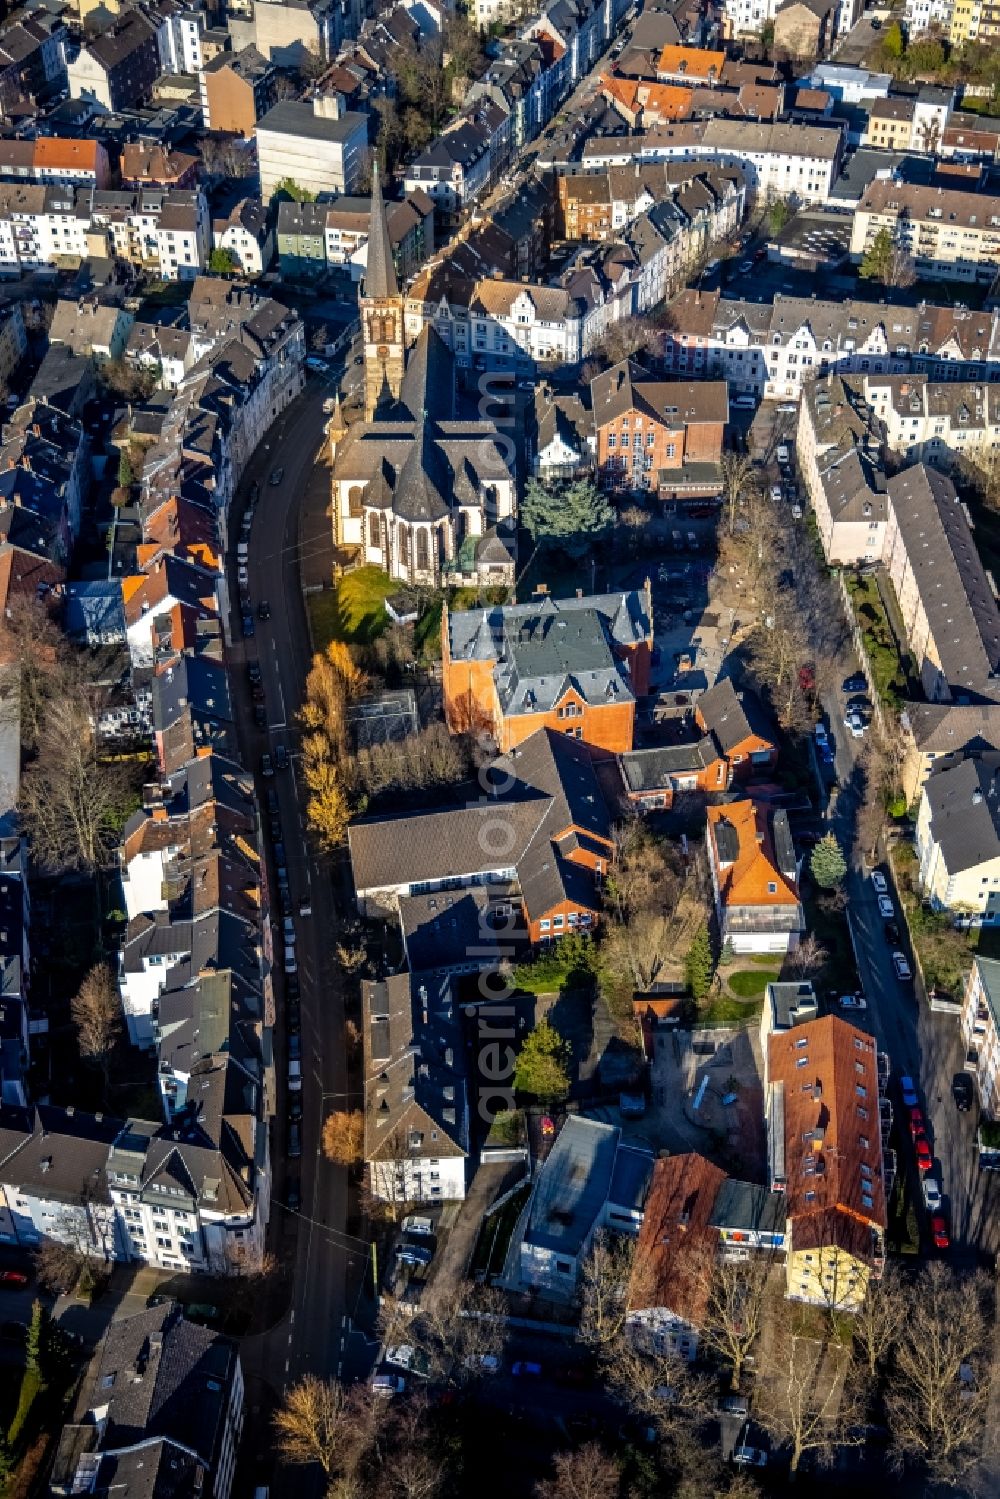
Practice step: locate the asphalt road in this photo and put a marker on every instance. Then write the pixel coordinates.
(920, 1043)
(312, 1336)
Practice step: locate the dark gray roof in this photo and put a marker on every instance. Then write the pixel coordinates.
(458, 929)
(414, 1065)
(752, 1209)
(955, 592)
(162, 1376)
(295, 117)
(732, 717)
(964, 802)
(380, 273)
(631, 1177)
(60, 1152)
(791, 1004)
(544, 655)
(572, 1186)
(654, 769)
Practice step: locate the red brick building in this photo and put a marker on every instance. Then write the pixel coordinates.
(575, 665)
(662, 436)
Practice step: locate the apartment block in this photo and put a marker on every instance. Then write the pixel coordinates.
(951, 235)
(314, 144)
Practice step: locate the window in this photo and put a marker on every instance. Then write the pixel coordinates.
(612, 440)
(802, 1061)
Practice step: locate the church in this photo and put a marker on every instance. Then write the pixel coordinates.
(418, 491)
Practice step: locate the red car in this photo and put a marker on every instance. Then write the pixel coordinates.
(15, 1280)
(924, 1157)
(939, 1230)
(917, 1125)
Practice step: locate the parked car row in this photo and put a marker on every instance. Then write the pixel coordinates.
(929, 1184)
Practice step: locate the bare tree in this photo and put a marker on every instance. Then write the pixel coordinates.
(808, 958)
(588, 1473)
(738, 479)
(73, 802)
(58, 1266)
(734, 1313)
(458, 1338)
(807, 1397)
(605, 1281)
(320, 1421)
(941, 1373)
(97, 1015)
(879, 1319)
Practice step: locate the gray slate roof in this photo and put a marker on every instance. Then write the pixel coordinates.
(964, 804)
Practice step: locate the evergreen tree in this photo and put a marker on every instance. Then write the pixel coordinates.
(542, 1068)
(698, 966)
(571, 515)
(828, 865)
(33, 1347)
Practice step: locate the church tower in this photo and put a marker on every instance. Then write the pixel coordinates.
(381, 312)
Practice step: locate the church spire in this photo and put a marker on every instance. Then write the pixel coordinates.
(380, 275)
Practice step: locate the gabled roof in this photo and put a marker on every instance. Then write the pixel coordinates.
(414, 1060)
(964, 802)
(673, 1259)
(743, 850)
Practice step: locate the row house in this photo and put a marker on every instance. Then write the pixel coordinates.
(600, 205)
(246, 235)
(167, 234)
(958, 839)
(55, 159)
(160, 1410)
(980, 1026)
(935, 421)
(32, 58)
(950, 235)
(800, 162)
(774, 349)
(45, 467)
(117, 67)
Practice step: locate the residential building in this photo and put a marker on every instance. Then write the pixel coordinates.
(951, 235)
(157, 166)
(838, 450)
(118, 67)
(246, 233)
(237, 90)
(589, 1182)
(301, 239)
(932, 733)
(561, 441)
(958, 839)
(690, 65)
(786, 1004)
(294, 33)
(658, 435)
(754, 877)
(89, 326)
(774, 349)
(948, 608)
(981, 1031)
(825, 1154)
(748, 1219)
(417, 1136)
(55, 159)
(575, 666)
(552, 863)
(805, 29)
(53, 1180)
(935, 421)
(312, 143)
(730, 739)
(675, 1255)
(162, 1405)
(13, 340)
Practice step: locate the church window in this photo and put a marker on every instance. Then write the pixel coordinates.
(354, 500)
(423, 555)
(373, 536)
(404, 546)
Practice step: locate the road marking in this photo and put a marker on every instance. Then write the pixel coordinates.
(291, 1315)
(287, 1363)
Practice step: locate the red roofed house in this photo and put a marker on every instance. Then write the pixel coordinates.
(70, 161)
(672, 1268)
(754, 877)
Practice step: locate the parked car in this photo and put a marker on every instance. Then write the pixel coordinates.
(295, 1105)
(295, 1075)
(290, 964)
(387, 1385)
(272, 801)
(880, 882)
(277, 475)
(776, 494)
(855, 724)
(925, 1156)
(750, 1457)
(263, 610)
(902, 967)
(292, 987)
(939, 1231)
(856, 682)
(293, 1017)
(260, 716)
(932, 1194)
(525, 1369)
(247, 625)
(281, 757)
(293, 1193)
(852, 1002)
(918, 1125)
(909, 1092)
(417, 1223)
(414, 1254)
(288, 931)
(13, 1280)
(962, 1091)
(294, 1141)
(886, 908)
(266, 768)
(486, 1363)
(819, 733)
(892, 932)
(782, 454)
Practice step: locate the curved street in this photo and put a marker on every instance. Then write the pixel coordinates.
(290, 525)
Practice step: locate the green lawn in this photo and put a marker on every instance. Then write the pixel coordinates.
(750, 983)
(728, 1011)
(353, 611)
